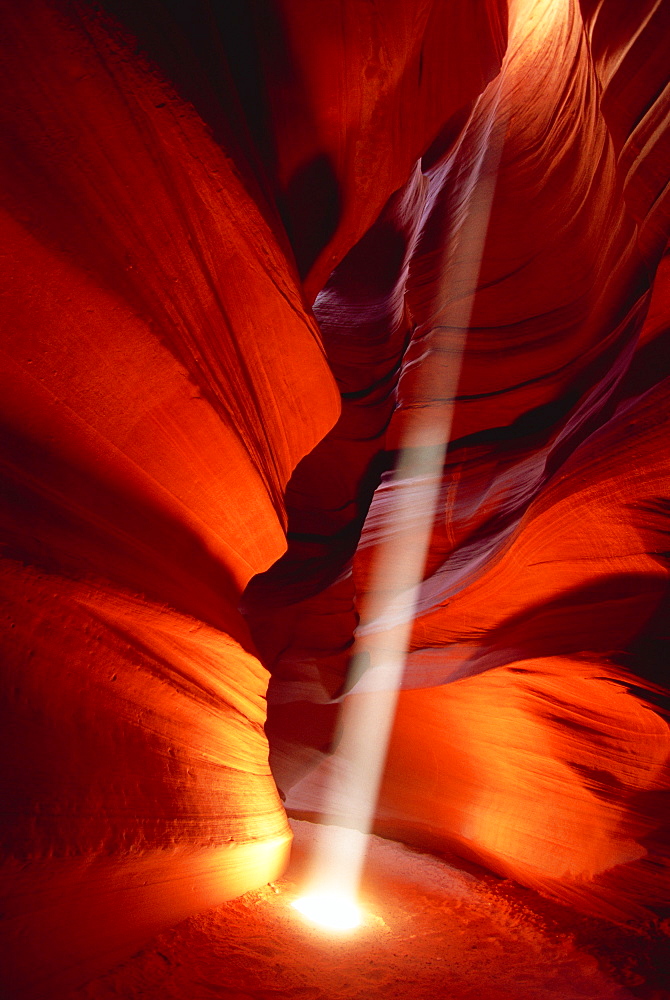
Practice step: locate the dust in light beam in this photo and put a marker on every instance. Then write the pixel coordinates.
(365, 723)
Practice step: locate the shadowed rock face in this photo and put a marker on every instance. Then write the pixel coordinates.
(184, 436)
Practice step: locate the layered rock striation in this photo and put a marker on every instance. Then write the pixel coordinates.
(245, 250)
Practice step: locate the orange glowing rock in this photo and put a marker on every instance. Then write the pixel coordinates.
(548, 544)
(183, 436)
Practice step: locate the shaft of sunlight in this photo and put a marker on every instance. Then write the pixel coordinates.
(365, 724)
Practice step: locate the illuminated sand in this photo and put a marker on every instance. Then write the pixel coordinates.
(430, 931)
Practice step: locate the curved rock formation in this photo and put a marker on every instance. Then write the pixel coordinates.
(547, 561)
(183, 436)
(159, 383)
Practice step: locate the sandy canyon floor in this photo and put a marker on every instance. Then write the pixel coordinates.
(432, 931)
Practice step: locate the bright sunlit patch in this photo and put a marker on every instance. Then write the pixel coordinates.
(351, 775)
(337, 913)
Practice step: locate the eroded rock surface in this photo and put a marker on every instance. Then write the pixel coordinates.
(475, 202)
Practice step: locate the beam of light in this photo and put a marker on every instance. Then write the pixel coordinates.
(333, 911)
(365, 723)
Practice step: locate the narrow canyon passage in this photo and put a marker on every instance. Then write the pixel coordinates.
(334, 334)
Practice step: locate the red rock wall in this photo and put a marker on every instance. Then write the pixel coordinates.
(547, 565)
(178, 186)
(160, 380)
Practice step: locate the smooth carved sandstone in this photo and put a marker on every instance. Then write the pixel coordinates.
(243, 247)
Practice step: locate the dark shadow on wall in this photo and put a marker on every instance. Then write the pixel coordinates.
(603, 617)
(69, 518)
(227, 59)
(311, 208)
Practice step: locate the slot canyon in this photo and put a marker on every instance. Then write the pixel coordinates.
(255, 251)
